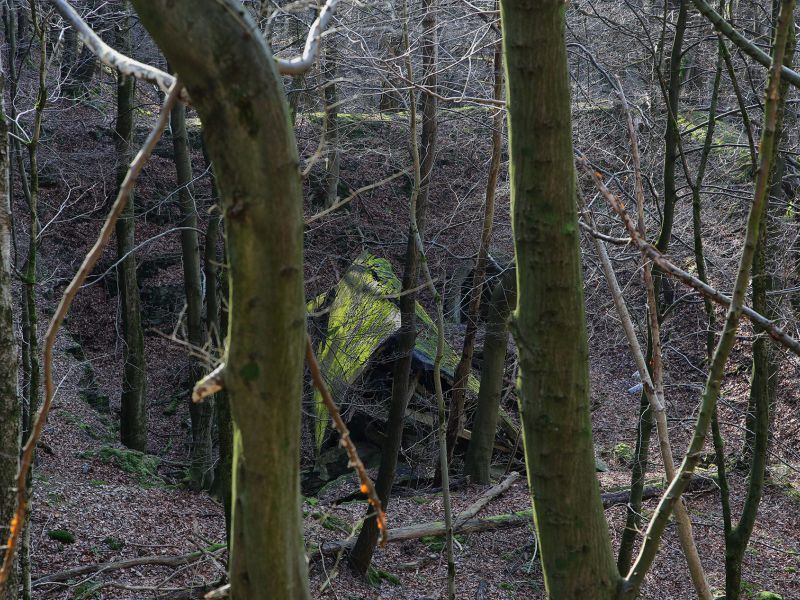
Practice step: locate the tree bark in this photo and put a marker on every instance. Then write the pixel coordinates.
(133, 413)
(495, 345)
(10, 410)
(201, 471)
(576, 555)
(231, 76)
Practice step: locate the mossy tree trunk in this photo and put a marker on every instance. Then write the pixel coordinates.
(201, 470)
(232, 79)
(576, 554)
(133, 413)
(10, 410)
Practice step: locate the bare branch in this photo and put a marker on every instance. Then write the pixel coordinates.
(759, 321)
(112, 58)
(301, 64)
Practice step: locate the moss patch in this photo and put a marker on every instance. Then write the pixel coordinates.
(65, 536)
(376, 576)
(143, 466)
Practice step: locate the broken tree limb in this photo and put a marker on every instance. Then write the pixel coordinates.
(94, 569)
(499, 522)
(485, 498)
(210, 384)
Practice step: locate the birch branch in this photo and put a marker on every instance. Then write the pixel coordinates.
(116, 60)
(301, 64)
(134, 68)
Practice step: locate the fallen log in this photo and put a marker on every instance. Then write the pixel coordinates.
(485, 498)
(93, 569)
(521, 518)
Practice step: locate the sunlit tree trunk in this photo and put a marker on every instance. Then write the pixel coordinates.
(237, 92)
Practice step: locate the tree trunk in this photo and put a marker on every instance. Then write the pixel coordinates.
(238, 94)
(644, 427)
(216, 324)
(495, 345)
(455, 422)
(133, 413)
(361, 556)
(576, 554)
(30, 184)
(10, 412)
(201, 471)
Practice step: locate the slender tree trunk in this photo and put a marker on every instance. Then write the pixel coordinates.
(576, 554)
(762, 384)
(10, 410)
(30, 327)
(216, 325)
(361, 556)
(769, 138)
(644, 426)
(455, 423)
(133, 413)
(331, 125)
(201, 471)
(495, 345)
(237, 92)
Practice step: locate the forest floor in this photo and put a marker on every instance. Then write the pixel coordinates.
(117, 505)
(96, 503)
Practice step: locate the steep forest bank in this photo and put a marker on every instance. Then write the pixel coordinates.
(111, 522)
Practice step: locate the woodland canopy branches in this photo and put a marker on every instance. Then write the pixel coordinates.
(293, 293)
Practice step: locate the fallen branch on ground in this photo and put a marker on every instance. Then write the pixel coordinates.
(157, 560)
(499, 522)
(485, 498)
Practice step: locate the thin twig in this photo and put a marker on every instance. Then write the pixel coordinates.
(758, 320)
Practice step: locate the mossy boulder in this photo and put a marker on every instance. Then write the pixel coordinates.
(363, 316)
